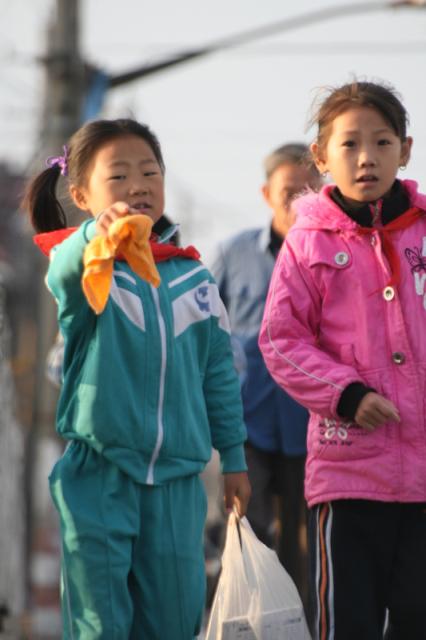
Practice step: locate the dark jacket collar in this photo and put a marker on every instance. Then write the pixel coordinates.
(275, 242)
(391, 206)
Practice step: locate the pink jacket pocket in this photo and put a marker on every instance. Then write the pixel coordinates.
(331, 439)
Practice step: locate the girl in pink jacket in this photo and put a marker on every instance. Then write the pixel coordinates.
(344, 334)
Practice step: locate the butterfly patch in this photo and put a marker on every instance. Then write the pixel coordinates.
(417, 261)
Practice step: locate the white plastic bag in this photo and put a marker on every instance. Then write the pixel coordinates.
(255, 598)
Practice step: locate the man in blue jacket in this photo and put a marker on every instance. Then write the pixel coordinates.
(276, 424)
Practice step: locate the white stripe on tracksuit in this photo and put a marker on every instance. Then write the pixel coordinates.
(160, 432)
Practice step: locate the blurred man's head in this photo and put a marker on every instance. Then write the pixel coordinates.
(289, 170)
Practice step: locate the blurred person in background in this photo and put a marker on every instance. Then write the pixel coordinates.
(276, 424)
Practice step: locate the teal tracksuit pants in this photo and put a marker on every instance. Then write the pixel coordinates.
(132, 554)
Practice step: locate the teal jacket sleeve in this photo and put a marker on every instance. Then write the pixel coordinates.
(223, 401)
(65, 272)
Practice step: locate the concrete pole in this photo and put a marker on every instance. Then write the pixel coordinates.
(64, 86)
(61, 117)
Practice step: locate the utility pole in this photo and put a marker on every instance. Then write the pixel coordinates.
(61, 116)
(64, 80)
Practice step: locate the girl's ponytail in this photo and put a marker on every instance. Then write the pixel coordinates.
(45, 210)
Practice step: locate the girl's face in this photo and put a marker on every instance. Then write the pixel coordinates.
(362, 154)
(123, 170)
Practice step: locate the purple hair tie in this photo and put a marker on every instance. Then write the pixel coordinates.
(59, 161)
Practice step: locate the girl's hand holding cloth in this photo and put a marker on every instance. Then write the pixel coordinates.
(128, 238)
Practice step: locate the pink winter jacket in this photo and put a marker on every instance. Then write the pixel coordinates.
(331, 320)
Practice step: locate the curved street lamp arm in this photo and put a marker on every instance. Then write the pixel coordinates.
(252, 34)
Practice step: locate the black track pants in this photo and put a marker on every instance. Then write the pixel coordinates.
(368, 570)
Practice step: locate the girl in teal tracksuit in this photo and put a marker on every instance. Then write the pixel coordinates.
(149, 386)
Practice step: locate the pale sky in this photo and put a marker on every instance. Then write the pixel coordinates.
(216, 117)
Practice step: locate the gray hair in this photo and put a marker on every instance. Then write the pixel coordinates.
(293, 153)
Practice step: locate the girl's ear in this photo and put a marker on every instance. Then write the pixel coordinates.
(78, 197)
(406, 151)
(320, 163)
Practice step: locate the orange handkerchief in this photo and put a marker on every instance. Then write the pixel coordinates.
(127, 237)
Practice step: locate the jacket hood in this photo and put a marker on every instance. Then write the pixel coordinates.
(316, 210)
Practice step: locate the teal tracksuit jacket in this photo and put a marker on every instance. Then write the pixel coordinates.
(150, 383)
(149, 387)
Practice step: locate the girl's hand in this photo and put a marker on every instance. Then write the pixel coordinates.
(107, 216)
(237, 492)
(374, 410)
